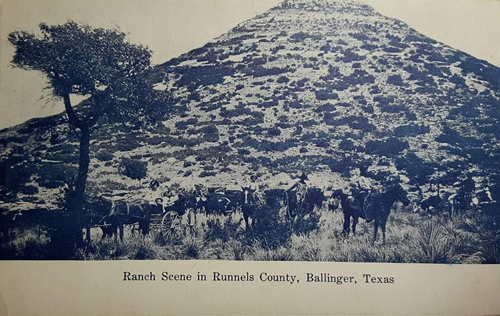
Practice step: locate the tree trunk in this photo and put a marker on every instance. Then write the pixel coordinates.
(76, 201)
(81, 182)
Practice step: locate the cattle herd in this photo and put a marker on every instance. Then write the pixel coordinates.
(111, 214)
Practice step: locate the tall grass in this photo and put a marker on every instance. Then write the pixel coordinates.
(411, 238)
(27, 244)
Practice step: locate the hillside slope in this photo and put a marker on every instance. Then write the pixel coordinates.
(321, 87)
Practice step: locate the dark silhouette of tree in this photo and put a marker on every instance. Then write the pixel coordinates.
(100, 65)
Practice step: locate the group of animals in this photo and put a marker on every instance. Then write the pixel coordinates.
(374, 207)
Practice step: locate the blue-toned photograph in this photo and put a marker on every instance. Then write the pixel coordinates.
(297, 130)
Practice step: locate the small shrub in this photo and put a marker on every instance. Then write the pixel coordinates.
(210, 133)
(31, 243)
(282, 79)
(274, 131)
(391, 146)
(204, 174)
(269, 230)
(134, 169)
(56, 175)
(411, 130)
(104, 155)
(326, 95)
(395, 80)
(192, 247)
(347, 144)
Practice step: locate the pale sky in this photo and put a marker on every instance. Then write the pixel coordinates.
(172, 27)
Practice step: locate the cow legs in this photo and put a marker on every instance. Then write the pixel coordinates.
(347, 220)
(120, 227)
(383, 233)
(245, 217)
(354, 223)
(375, 226)
(87, 229)
(144, 226)
(115, 231)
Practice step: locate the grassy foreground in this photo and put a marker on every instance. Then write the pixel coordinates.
(411, 238)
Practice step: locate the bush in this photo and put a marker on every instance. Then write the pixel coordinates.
(223, 228)
(274, 131)
(282, 79)
(55, 175)
(134, 169)
(104, 155)
(302, 36)
(210, 133)
(28, 244)
(182, 125)
(436, 243)
(411, 130)
(207, 174)
(395, 108)
(326, 95)
(347, 144)
(268, 230)
(391, 146)
(395, 80)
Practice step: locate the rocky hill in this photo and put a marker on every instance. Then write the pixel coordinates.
(321, 87)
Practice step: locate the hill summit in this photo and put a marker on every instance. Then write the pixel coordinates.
(320, 87)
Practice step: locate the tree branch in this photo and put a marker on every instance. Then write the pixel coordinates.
(73, 118)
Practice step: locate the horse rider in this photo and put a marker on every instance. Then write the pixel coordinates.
(468, 187)
(152, 196)
(300, 188)
(361, 186)
(171, 195)
(251, 184)
(254, 189)
(200, 192)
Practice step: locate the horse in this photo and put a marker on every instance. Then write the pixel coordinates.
(377, 207)
(97, 213)
(351, 208)
(314, 198)
(273, 198)
(460, 202)
(248, 205)
(434, 202)
(122, 213)
(217, 204)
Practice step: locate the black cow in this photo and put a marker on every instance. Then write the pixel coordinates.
(248, 203)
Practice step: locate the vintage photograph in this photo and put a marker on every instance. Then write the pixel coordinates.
(296, 130)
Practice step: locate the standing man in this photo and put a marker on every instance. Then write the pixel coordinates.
(300, 191)
(468, 187)
(153, 197)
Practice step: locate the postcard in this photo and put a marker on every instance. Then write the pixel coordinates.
(249, 157)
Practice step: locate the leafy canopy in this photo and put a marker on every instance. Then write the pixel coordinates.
(95, 62)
